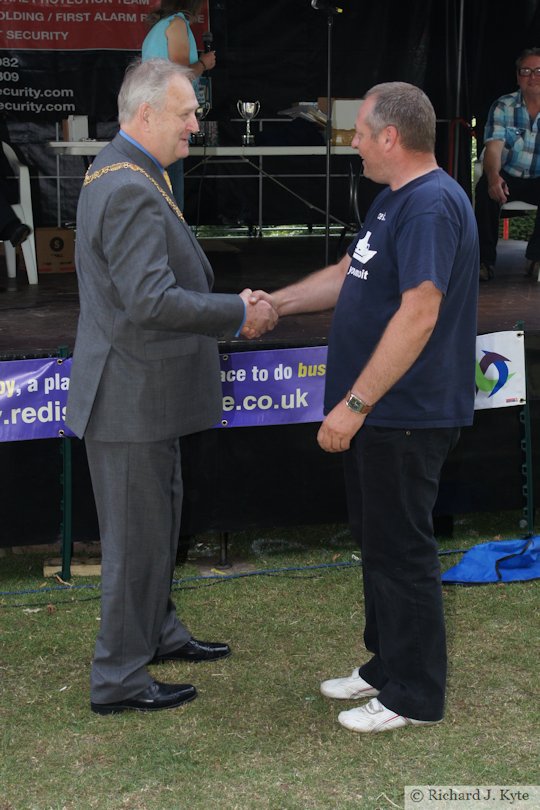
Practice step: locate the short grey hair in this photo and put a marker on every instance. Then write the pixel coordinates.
(524, 54)
(408, 109)
(147, 83)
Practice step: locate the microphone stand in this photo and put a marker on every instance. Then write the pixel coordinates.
(328, 136)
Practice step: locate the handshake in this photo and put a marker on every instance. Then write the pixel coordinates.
(261, 314)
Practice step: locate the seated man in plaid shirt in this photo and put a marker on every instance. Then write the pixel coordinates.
(511, 162)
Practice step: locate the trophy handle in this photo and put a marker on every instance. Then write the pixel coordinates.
(239, 108)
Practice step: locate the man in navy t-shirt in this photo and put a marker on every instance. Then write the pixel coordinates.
(400, 385)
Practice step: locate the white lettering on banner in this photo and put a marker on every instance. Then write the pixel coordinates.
(56, 383)
(22, 16)
(31, 106)
(233, 375)
(51, 412)
(72, 16)
(75, 2)
(296, 399)
(103, 16)
(41, 36)
(33, 92)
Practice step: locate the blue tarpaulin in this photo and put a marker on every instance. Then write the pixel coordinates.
(498, 561)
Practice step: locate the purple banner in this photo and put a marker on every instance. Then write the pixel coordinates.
(33, 395)
(279, 387)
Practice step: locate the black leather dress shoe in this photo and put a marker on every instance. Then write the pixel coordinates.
(195, 651)
(155, 697)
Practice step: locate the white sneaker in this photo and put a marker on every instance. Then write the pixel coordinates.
(376, 717)
(351, 688)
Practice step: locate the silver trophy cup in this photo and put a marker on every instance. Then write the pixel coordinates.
(198, 138)
(248, 110)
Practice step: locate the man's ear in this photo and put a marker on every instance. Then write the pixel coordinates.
(390, 135)
(144, 114)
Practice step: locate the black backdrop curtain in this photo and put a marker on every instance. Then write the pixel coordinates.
(461, 52)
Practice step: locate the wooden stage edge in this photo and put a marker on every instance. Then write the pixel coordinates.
(39, 319)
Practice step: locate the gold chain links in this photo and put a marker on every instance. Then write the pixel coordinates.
(114, 167)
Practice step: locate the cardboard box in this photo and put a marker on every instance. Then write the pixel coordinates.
(344, 112)
(55, 248)
(342, 137)
(75, 128)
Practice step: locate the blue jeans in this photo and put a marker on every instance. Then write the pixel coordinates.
(392, 479)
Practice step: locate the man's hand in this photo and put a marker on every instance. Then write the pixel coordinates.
(261, 316)
(338, 429)
(261, 295)
(498, 189)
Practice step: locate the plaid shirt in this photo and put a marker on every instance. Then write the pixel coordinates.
(509, 121)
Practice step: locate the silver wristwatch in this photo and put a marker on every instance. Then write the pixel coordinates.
(356, 404)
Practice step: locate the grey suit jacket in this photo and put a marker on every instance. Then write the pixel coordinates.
(145, 364)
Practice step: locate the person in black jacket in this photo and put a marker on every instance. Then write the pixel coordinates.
(11, 227)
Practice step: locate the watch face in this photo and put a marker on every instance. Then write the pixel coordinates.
(356, 404)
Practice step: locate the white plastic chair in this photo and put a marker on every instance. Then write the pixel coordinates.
(23, 209)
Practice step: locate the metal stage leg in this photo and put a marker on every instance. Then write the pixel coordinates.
(67, 495)
(223, 550)
(527, 522)
(67, 539)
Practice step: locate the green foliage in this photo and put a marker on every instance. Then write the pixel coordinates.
(519, 227)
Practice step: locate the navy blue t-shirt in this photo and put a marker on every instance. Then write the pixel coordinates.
(424, 231)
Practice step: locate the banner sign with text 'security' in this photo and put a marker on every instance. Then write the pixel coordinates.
(274, 387)
(68, 57)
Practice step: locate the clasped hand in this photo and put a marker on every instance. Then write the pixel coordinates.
(261, 316)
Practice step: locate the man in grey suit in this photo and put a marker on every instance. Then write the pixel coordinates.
(145, 372)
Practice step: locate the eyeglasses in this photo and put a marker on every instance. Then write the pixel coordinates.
(528, 71)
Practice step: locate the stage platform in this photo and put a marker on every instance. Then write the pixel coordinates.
(40, 318)
(262, 476)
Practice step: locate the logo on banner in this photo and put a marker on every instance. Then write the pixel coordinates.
(499, 373)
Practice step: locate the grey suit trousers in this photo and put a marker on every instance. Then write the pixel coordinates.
(138, 494)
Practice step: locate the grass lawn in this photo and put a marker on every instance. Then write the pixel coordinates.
(260, 735)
